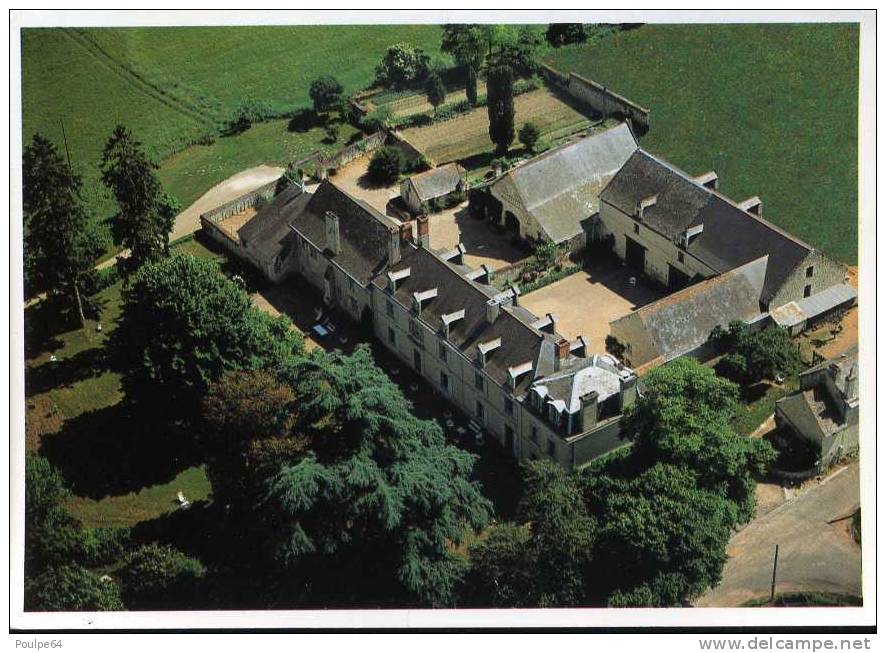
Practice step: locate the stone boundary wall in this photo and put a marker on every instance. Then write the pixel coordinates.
(239, 204)
(412, 153)
(322, 164)
(599, 98)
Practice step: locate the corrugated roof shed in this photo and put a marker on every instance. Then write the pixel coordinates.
(561, 187)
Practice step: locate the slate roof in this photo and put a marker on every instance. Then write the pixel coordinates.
(267, 230)
(365, 233)
(436, 182)
(731, 235)
(561, 187)
(520, 342)
(681, 322)
(601, 373)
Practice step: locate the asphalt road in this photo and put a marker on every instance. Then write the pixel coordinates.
(813, 553)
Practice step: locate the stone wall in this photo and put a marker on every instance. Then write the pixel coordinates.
(599, 98)
(238, 204)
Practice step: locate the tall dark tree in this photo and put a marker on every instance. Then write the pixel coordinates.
(60, 247)
(378, 484)
(146, 213)
(500, 104)
(435, 91)
(467, 45)
(326, 93)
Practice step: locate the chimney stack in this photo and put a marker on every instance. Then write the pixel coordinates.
(394, 247)
(333, 233)
(424, 231)
(492, 310)
(561, 353)
(628, 388)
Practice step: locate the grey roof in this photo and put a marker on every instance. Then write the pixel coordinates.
(683, 321)
(365, 233)
(731, 235)
(520, 342)
(839, 369)
(600, 373)
(561, 187)
(267, 230)
(436, 182)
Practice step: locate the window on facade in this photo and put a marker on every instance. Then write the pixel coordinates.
(533, 433)
(552, 449)
(392, 337)
(509, 406)
(680, 256)
(636, 228)
(807, 290)
(480, 411)
(809, 271)
(478, 381)
(389, 308)
(441, 348)
(444, 381)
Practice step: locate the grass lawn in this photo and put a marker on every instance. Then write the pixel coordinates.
(147, 503)
(191, 172)
(468, 135)
(772, 108)
(171, 86)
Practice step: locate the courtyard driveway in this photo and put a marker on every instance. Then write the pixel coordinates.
(352, 179)
(483, 244)
(585, 302)
(816, 551)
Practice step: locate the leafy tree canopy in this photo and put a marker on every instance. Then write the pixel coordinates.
(754, 355)
(71, 588)
(402, 66)
(435, 91)
(529, 135)
(184, 325)
(325, 93)
(159, 576)
(379, 485)
(500, 105)
(559, 34)
(385, 165)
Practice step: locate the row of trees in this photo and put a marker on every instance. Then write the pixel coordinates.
(62, 241)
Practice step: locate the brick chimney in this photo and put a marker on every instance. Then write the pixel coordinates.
(561, 352)
(424, 231)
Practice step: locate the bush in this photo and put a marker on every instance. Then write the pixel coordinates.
(559, 34)
(375, 121)
(386, 165)
(71, 588)
(248, 113)
(331, 132)
(103, 546)
(157, 576)
(325, 93)
(529, 134)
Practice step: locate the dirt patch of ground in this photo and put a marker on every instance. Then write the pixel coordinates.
(587, 301)
(481, 242)
(233, 223)
(353, 179)
(468, 134)
(42, 417)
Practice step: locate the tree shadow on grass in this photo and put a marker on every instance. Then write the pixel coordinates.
(87, 364)
(118, 450)
(754, 392)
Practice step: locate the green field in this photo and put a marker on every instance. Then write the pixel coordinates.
(172, 86)
(771, 108)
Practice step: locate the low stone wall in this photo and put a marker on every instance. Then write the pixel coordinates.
(238, 204)
(322, 164)
(599, 98)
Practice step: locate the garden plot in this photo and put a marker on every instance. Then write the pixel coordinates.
(468, 134)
